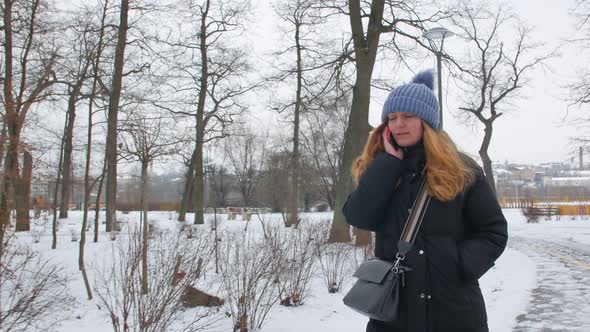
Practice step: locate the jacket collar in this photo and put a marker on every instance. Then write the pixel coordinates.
(415, 157)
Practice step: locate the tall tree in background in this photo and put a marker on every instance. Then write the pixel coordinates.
(27, 76)
(323, 140)
(493, 73)
(204, 67)
(246, 153)
(218, 182)
(77, 68)
(302, 18)
(113, 114)
(95, 60)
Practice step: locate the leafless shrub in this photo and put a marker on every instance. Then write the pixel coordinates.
(363, 253)
(34, 292)
(248, 276)
(175, 263)
(193, 231)
(36, 233)
(295, 254)
(74, 235)
(213, 222)
(334, 259)
(262, 215)
(113, 234)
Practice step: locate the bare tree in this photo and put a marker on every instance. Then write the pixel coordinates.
(273, 187)
(300, 17)
(146, 140)
(323, 141)
(219, 183)
(311, 74)
(246, 153)
(96, 58)
(77, 67)
(207, 69)
(493, 73)
(113, 114)
(28, 75)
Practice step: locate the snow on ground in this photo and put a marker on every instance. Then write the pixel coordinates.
(506, 287)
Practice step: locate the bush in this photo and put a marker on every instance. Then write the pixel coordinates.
(175, 264)
(34, 293)
(248, 273)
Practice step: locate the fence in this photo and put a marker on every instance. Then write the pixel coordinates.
(521, 202)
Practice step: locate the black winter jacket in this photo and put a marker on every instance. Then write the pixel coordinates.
(457, 243)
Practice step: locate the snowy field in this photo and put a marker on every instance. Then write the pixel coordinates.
(506, 287)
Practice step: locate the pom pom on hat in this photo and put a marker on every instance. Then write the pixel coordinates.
(425, 77)
(415, 97)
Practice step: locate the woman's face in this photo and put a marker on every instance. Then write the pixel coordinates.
(406, 128)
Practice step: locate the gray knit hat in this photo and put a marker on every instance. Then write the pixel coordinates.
(417, 98)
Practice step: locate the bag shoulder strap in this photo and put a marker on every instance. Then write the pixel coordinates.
(414, 220)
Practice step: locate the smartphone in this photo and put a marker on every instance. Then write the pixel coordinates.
(393, 142)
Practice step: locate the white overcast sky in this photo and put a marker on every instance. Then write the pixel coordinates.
(534, 131)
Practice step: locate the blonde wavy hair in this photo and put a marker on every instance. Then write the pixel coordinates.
(449, 171)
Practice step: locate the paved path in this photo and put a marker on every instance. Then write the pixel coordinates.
(561, 299)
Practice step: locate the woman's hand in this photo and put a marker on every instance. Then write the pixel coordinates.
(389, 148)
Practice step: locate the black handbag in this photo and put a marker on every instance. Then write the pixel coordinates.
(376, 293)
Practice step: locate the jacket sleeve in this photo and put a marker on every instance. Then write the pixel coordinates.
(366, 206)
(487, 232)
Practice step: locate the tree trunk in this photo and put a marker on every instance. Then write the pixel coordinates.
(485, 158)
(95, 77)
(188, 187)
(355, 138)
(144, 242)
(114, 97)
(11, 176)
(97, 205)
(357, 131)
(199, 191)
(293, 215)
(55, 195)
(10, 119)
(23, 195)
(81, 265)
(67, 157)
(66, 187)
(3, 140)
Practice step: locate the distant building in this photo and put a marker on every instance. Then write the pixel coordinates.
(567, 181)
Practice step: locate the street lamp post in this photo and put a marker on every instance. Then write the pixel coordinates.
(432, 35)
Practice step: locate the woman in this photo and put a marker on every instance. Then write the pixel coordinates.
(463, 231)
